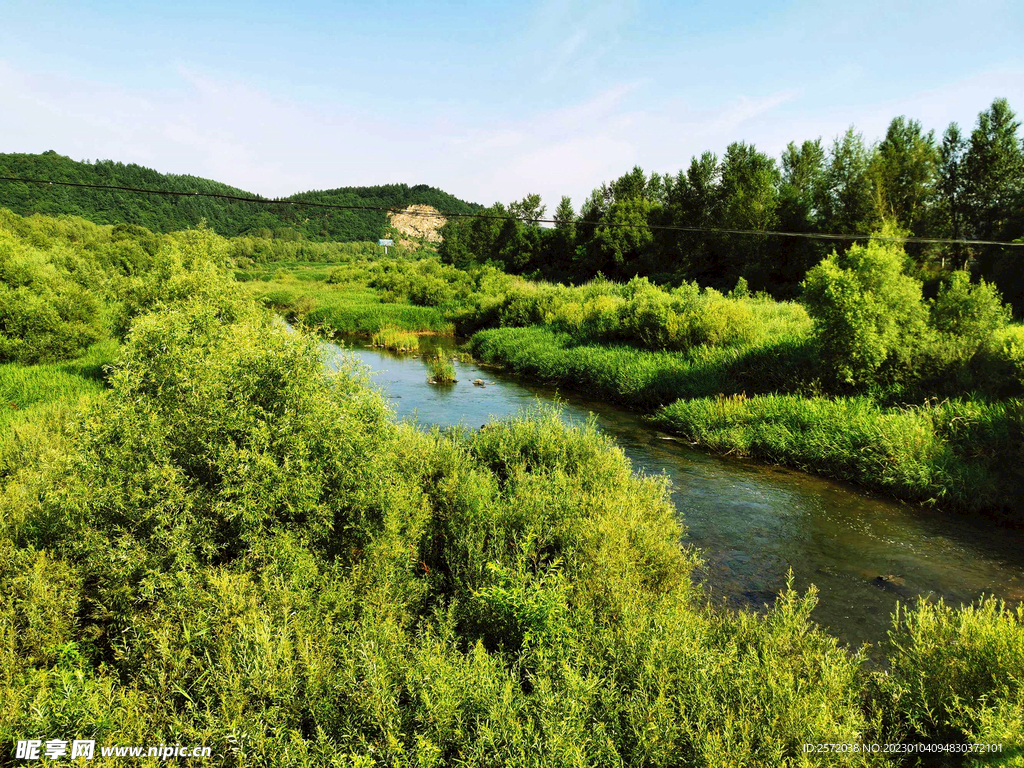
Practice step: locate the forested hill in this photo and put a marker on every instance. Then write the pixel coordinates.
(166, 214)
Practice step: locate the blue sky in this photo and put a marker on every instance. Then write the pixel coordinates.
(487, 100)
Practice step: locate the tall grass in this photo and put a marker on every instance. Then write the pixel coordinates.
(961, 454)
(396, 340)
(349, 310)
(440, 369)
(636, 377)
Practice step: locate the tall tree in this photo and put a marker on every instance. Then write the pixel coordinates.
(693, 200)
(905, 168)
(950, 188)
(993, 170)
(749, 194)
(563, 242)
(994, 195)
(803, 184)
(846, 201)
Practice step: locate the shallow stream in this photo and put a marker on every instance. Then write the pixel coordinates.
(753, 522)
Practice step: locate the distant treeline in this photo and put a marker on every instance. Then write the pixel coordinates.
(168, 214)
(963, 186)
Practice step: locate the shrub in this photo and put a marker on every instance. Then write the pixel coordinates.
(866, 311)
(955, 675)
(970, 314)
(46, 313)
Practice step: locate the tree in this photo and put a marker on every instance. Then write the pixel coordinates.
(623, 236)
(803, 183)
(950, 187)
(631, 186)
(994, 196)
(846, 200)
(993, 170)
(866, 310)
(562, 244)
(802, 188)
(529, 208)
(749, 200)
(693, 200)
(905, 169)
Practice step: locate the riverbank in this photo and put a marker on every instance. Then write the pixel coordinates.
(740, 375)
(960, 455)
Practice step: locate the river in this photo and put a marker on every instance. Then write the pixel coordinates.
(753, 523)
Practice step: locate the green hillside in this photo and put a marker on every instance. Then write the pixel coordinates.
(167, 214)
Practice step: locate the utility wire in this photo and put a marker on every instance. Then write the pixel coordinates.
(442, 214)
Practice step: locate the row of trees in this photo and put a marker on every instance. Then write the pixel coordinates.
(960, 186)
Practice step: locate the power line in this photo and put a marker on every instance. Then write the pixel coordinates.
(524, 219)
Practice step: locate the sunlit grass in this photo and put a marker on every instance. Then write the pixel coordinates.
(440, 369)
(396, 340)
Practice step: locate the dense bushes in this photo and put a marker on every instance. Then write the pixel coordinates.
(46, 312)
(244, 551)
(874, 328)
(866, 311)
(955, 678)
(638, 312)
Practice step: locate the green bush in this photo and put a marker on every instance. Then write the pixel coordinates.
(440, 369)
(969, 313)
(866, 311)
(955, 677)
(49, 309)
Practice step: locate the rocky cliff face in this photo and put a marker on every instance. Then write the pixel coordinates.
(418, 222)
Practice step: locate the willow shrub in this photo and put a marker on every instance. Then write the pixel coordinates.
(955, 677)
(866, 310)
(239, 549)
(46, 314)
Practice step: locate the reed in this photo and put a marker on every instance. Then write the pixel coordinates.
(396, 340)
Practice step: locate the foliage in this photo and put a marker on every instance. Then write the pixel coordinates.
(440, 369)
(955, 676)
(970, 313)
(867, 312)
(218, 541)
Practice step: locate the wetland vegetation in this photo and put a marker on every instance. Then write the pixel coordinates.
(209, 537)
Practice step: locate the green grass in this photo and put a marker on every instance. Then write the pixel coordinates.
(346, 315)
(639, 378)
(348, 309)
(27, 387)
(396, 340)
(963, 455)
(440, 369)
